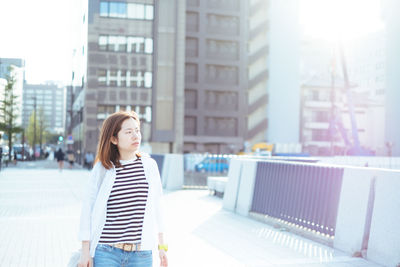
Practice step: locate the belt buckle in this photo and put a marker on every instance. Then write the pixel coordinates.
(128, 245)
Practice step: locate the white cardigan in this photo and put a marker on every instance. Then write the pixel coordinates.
(94, 206)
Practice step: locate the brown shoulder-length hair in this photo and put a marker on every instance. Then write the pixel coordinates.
(107, 152)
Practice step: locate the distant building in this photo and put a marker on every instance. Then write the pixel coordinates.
(366, 67)
(18, 66)
(48, 97)
(17, 63)
(317, 118)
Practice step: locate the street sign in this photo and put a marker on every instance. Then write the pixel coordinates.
(70, 139)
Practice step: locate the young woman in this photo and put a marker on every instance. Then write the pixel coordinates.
(122, 215)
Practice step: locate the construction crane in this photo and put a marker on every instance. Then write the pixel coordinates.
(352, 148)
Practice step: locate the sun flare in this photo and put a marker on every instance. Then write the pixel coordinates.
(339, 19)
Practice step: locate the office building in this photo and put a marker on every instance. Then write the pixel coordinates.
(194, 71)
(46, 98)
(225, 75)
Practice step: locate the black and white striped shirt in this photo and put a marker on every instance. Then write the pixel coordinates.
(126, 204)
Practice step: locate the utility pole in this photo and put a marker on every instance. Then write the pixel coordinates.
(23, 144)
(332, 98)
(34, 126)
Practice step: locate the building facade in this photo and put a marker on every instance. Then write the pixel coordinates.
(325, 122)
(194, 71)
(127, 59)
(18, 70)
(225, 75)
(46, 98)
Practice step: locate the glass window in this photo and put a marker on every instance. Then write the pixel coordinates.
(121, 43)
(103, 111)
(104, 9)
(101, 76)
(149, 12)
(114, 9)
(148, 114)
(112, 43)
(112, 77)
(148, 79)
(103, 42)
(136, 44)
(117, 10)
(135, 11)
(148, 47)
(122, 10)
(122, 78)
(136, 78)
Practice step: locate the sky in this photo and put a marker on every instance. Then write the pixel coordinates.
(40, 32)
(340, 19)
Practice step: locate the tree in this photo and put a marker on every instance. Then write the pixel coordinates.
(41, 128)
(9, 110)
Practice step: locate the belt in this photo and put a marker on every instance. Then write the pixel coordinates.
(127, 246)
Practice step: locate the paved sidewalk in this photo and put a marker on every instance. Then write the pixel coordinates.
(39, 215)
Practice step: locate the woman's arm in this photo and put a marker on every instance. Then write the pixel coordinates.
(161, 238)
(85, 260)
(158, 201)
(89, 197)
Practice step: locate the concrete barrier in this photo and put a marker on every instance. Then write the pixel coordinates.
(239, 190)
(384, 238)
(172, 172)
(352, 216)
(232, 187)
(246, 187)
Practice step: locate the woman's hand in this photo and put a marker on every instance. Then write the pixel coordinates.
(85, 260)
(163, 258)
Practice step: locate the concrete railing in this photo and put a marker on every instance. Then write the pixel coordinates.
(171, 170)
(364, 203)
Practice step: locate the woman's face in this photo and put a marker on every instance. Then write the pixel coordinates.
(129, 137)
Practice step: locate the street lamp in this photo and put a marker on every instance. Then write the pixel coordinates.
(34, 126)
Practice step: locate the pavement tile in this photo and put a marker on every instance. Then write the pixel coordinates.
(39, 217)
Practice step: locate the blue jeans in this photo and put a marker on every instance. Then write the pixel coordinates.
(108, 256)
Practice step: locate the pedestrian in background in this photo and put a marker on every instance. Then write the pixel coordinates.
(122, 215)
(59, 155)
(1, 156)
(15, 157)
(70, 158)
(89, 158)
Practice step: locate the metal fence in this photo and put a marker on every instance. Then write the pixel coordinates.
(304, 194)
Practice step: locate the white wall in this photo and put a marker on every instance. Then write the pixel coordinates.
(392, 20)
(284, 78)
